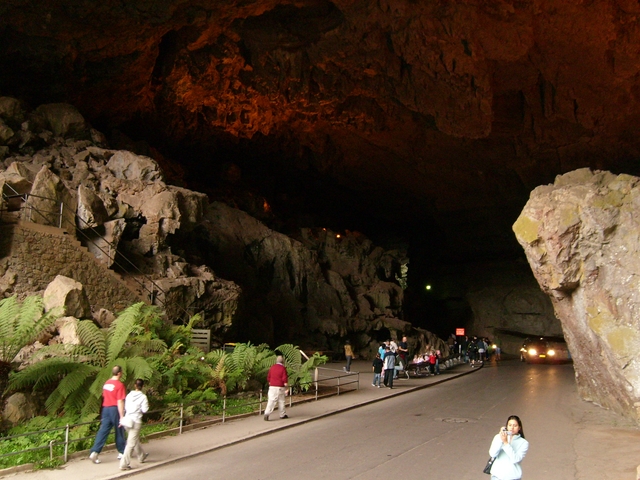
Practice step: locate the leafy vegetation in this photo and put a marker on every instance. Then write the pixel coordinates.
(179, 377)
(79, 371)
(20, 325)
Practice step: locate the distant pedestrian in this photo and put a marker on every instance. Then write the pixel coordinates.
(377, 370)
(403, 350)
(135, 405)
(389, 367)
(381, 350)
(509, 449)
(113, 395)
(348, 353)
(278, 383)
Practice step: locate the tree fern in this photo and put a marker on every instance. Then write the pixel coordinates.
(20, 325)
(80, 371)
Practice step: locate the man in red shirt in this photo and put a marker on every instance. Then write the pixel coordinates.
(113, 395)
(277, 378)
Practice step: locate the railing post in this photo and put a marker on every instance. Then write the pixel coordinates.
(338, 385)
(61, 210)
(51, 449)
(66, 443)
(290, 394)
(181, 416)
(260, 406)
(224, 407)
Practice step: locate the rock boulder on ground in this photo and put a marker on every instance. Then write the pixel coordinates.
(68, 294)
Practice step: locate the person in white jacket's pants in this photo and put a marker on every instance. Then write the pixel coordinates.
(135, 405)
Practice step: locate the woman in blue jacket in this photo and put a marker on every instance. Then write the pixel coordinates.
(509, 448)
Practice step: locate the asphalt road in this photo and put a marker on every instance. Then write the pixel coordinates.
(442, 432)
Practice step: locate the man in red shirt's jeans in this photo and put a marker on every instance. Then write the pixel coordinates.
(113, 395)
(277, 378)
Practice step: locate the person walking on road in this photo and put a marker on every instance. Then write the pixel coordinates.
(135, 405)
(377, 370)
(509, 448)
(113, 395)
(348, 353)
(403, 350)
(389, 367)
(278, 383)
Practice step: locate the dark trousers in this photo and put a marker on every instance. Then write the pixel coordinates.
(388, 377)
(349, 358)
(110, 419)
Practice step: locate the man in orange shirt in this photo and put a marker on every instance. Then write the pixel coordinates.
(277, 378)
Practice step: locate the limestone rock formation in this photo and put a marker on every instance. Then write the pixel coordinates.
(580, 236)
(68, 295)
(124, 212)
(317, 290)
(18, 408)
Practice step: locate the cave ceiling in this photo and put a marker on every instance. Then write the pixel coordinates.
(448, 112)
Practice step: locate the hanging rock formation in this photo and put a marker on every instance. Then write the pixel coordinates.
(580, 236)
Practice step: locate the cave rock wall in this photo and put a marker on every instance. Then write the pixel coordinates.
(315, 290)
(580, 236)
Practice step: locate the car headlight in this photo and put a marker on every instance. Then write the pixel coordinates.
(551, 353)
(532, 351)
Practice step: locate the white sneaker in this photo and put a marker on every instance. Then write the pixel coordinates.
(94, 457)
(119, 456)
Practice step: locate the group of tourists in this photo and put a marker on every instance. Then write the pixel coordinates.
(390, 359)
(474, 350)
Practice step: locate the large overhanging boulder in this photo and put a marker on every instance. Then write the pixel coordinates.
(580, 236)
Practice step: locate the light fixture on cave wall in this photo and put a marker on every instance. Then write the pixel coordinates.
(265, 206)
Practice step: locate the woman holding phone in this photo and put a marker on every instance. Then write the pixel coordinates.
(509, 448)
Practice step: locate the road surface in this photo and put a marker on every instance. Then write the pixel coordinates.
(442, 432)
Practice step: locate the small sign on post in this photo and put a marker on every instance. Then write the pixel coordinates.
(459, 332)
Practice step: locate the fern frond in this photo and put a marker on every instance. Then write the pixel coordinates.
(41, 374)
(292, 356)
(138, 367)
(92, 406)
(121, 329)
(79, 399)
(69, 385)
(91, 336)
(9, 310)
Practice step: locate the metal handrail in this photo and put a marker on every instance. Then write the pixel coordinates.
(82, 232)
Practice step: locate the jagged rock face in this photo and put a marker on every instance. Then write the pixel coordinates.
(580, 236)
(316, 290)
(438, 106)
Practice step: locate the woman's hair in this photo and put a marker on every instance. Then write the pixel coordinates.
(139, 383)
(517, 419)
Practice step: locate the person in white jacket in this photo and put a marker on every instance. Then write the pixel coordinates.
(135, 404)
(509, 448)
